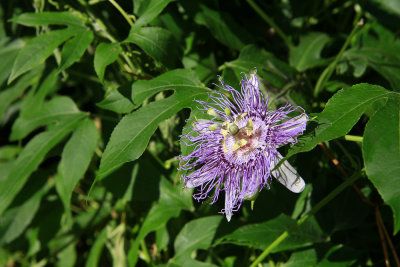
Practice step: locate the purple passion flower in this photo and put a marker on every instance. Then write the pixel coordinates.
(236, 150)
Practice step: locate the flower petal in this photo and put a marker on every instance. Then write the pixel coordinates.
(295, 126)
(287, 175)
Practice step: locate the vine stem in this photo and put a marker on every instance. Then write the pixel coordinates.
(268, 20)
(327, 73)
(300, 221)
(353, 138)
(122, 11)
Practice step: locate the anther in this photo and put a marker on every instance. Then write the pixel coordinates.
(227, 111)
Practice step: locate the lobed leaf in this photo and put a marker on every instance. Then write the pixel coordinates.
(130, 137)
(308, 53)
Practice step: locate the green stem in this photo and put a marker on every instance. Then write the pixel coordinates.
(300, 221)
(353, 138)
(122, 11)
(327, 73)
(268, 20)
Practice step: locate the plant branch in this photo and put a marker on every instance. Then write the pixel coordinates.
(122, 11)
(327, 73)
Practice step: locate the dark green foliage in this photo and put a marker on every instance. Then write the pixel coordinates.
(94, 96)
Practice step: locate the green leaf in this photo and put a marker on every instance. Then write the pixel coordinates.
(172, 201)
(130, 137)
(45, 18)
(105, 55)
(158, 43)
(37, 50)
(381, 152)
(7, 55)
(196, 234)
(220, 26)
(117, 102)
(9, 152)
(149, 11)
(30, 158)
(75, 159)
(383, 60)
(271, 69)
(14, 91)
(14, 221)
(341, 112)
(97, 249)
(261, 235)
(308, 53)
(57, 109)
(74, 48)
(67, 256)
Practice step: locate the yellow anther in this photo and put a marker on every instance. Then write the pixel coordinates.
(224, 146)
(227, 111)
(224, 132)
(233, 129)
(235, 147)
(243, 142)
(249, 127)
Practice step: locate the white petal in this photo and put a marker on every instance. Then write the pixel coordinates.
(288, 176)
(228, 204)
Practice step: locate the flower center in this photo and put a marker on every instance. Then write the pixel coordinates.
(242, 146)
